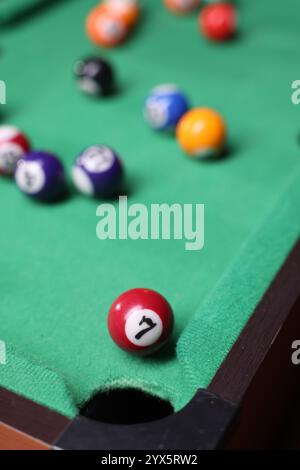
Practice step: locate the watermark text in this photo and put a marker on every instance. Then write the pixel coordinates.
(2, 353)
(154, 222)
(295, 97)
(2, 92)
(296, 353)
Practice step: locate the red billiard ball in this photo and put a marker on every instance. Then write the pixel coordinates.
(140, 321)
(13, 146)
(218, 21)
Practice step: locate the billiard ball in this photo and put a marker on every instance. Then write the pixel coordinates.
(165, 105)
(105, 28)
(218, 21)
(13, 146)
(98, 172)
(182, 6)
(41, 176)
(95, 76)
(140, 321)
(127, 10)
(201, 133)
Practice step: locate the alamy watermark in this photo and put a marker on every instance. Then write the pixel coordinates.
(154, 222)
(2, 353)
(2, 92)
(295, 97)
(296, 354)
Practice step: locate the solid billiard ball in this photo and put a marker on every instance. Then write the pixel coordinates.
(98, 171)
(201, 133)
(182, 6)
(140, 321)
(41, 176)
(127, 10)
(218, 21)
(13, 146)
(105, 28)
(95, 76)
(165, 105)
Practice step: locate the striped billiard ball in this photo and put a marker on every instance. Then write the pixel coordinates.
(13, 146)
(140, 321)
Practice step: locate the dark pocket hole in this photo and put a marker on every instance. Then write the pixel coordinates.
(126, 406)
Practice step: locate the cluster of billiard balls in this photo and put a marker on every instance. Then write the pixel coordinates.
(109, 23)
(97, 171)
(217, 21)
(200, 132)
(140, 321)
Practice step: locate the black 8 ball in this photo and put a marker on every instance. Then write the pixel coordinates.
(95, 76)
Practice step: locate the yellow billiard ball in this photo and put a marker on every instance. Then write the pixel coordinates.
(201, 133)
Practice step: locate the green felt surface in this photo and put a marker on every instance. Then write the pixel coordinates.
(57, 280)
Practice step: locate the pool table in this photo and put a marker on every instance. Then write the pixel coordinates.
(226, 379)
